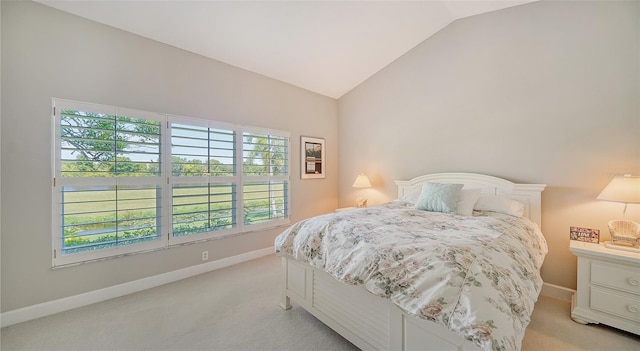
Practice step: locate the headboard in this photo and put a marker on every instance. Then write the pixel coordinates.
(527, 194)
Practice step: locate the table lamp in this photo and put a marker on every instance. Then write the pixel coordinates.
(625, 189)
(362, 182)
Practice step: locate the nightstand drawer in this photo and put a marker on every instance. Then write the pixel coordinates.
(625, 306)
(616, 277)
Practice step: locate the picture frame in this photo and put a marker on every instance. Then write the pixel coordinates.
(584, 234)
(312, 158)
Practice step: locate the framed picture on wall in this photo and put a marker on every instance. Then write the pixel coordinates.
(312, 157)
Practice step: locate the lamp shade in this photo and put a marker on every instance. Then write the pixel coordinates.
(624, 188)
(362, 181)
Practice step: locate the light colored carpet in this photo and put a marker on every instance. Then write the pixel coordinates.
(236, 308)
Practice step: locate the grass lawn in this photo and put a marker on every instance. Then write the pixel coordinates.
(91, 214)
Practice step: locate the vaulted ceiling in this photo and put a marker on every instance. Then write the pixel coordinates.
(328, 47)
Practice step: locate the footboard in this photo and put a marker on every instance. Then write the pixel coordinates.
(368, 321)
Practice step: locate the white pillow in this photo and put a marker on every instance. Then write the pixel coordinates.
(466, 200)
(412, 196)
(500, 204)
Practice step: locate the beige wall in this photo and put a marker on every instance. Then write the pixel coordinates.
(545, 92)
(47, 53)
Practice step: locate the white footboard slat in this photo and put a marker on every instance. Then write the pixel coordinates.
(368, 321)
(352, 310)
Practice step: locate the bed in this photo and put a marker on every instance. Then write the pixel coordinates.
(394, 277)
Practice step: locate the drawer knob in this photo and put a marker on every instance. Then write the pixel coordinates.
(633, 281)
(632, 309)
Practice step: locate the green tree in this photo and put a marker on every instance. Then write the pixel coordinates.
(101, 141)
(266, 157)
(91, 134)
(217, 168)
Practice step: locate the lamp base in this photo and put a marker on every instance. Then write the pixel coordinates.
(361, 202)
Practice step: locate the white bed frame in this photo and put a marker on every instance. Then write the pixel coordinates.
(374, 323)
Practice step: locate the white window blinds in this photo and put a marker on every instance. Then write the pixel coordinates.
(128, 181)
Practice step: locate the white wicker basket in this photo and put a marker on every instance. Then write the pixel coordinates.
(625, 233)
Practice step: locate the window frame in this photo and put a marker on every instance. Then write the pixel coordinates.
(165, 181)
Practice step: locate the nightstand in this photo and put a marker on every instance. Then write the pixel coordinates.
(608, 286)
(345, 209)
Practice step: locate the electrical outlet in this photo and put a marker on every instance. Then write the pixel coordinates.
(205, 255)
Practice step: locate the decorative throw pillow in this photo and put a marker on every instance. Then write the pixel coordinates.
(500, 204)
(436, 197)
(466, 201)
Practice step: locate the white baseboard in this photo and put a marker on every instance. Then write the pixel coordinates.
(51, 307)
(557, 292)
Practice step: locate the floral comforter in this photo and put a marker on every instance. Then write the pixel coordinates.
(478, 276)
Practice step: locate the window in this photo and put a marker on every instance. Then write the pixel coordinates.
(128, 181)
(203, 178)
(265, 168)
